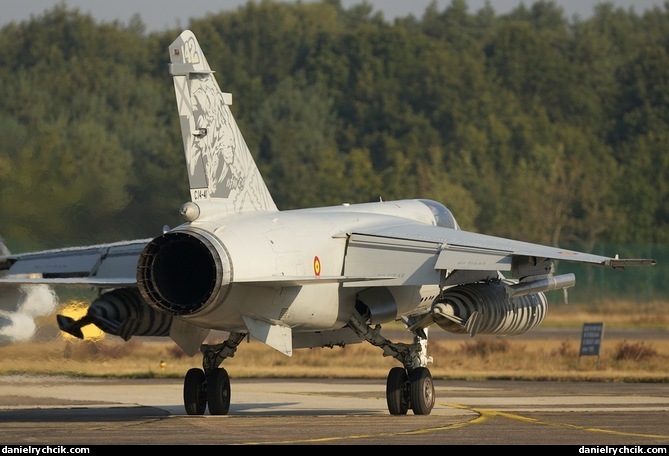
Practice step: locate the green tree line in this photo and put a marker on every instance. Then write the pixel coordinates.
(529, 124)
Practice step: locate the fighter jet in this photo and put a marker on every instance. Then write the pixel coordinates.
(304, 278)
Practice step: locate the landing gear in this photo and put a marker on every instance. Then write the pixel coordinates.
(397, 391)
(407, 387)
(413, 390)
(218, 392)
(211, 385)
(422, 391)
(195, 392)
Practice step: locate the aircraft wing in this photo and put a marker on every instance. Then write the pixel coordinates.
(414, 254)
(467, 250)
(103, 265)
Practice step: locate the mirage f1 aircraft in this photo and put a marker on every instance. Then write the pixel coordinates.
(317, 277)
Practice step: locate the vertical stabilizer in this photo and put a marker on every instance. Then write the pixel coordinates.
(221, 168)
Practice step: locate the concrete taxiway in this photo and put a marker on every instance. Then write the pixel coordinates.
(68, 411)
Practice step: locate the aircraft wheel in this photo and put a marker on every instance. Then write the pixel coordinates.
(397, 391)
(218, 392)
(422, 391)
(195, 392)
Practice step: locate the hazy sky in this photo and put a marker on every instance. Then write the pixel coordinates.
(160, 14)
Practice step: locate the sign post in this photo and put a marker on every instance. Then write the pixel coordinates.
(591, 340)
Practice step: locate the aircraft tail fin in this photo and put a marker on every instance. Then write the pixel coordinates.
(221, 169)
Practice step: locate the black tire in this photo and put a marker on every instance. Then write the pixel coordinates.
(422, 391)
(195, 392)
(397, 393)
(218, 392)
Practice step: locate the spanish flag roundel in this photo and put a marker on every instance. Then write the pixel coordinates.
(317, 266)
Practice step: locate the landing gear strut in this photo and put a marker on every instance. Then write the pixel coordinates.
(408, 387)
(211, 385)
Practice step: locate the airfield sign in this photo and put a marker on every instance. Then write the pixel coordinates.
(591, 340)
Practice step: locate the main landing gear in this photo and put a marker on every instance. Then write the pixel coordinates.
(211, 385)
(408, 387)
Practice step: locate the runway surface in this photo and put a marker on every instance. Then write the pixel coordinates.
(67, 411)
